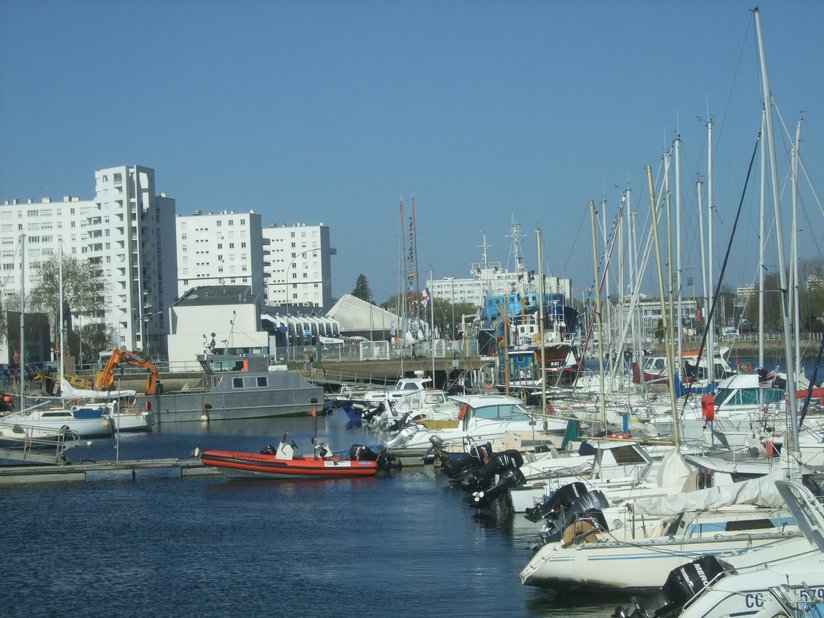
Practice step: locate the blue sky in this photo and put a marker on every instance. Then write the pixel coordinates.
(331, 112)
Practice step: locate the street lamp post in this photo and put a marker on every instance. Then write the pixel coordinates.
(286, 288)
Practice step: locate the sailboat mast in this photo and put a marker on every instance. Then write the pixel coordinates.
(21, 362)
(711, 325)
(676, 429)
(794, 249)
(677, 151)
(762, 295)
(594, 218)
(699, 188)
(541, 324)
(402, 287)
(782, 274)
(60, 311)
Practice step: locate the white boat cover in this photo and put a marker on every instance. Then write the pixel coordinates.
(674, 471)
(760, 492)
(67, 391)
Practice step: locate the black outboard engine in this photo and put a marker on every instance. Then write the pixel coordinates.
(588, 507)
(399, 423)
(482, 478)
(359, 452)
(511, 478)
(459, 464)
(372, 412)
(682, 584)
(559, 501)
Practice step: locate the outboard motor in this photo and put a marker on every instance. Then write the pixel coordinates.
(588, 507)
(458, 465)
(559, 501)
(511, 478)
(403, 436)
(683, 583)
(482, 478)
(359, 452)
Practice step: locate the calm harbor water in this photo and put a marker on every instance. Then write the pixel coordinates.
(405, 545)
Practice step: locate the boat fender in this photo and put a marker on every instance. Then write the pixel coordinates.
(147, 405)
(462, 412)
(708, 407)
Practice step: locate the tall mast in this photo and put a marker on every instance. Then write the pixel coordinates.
(22, 354)
(541, 324)
(762, 206)
(594, 218)
(699, 188)
(794, 250)
(60, 311)
(676, 429)
(782, 273)
(711, 324)
(677, 149)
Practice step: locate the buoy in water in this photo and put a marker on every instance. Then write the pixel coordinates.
(204, 418)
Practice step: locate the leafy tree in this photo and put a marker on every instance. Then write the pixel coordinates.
(362, 290)
(83, 289)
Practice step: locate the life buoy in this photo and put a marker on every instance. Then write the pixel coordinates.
(708, 407)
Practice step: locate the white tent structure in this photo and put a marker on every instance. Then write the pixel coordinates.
(358, 317)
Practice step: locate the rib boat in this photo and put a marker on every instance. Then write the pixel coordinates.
(283, 463)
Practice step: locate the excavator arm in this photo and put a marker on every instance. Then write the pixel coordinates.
(104, 379)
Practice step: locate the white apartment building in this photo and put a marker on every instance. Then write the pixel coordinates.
(298, 266)
(123, 234)
(217, 249)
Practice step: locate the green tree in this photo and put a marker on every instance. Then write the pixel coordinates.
(362, 290)
(82, 293)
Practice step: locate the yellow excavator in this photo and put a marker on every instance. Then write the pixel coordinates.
(104, 379)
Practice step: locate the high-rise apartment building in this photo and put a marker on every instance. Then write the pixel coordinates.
(298, 265)
(215, 249)
(125, 234)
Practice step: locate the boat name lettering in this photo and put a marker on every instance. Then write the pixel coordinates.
(754, 599)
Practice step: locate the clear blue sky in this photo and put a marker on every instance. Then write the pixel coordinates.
(332, 111)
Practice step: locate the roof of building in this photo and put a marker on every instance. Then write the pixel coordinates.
(217, 295)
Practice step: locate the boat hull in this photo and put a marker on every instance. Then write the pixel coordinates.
(258, 465)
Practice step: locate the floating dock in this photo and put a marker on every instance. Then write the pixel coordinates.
(133, 470)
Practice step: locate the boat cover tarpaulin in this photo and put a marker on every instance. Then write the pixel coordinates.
(760, 492)
(68, 391)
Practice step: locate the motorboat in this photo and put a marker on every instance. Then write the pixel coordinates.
(482, 418)
(773, 584)
(402, 387)
(595, 547)
(234, 387)
(282, 462)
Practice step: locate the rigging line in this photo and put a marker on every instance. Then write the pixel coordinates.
(724, 266)
(575, 241)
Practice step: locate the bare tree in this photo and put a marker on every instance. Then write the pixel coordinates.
(82, 292)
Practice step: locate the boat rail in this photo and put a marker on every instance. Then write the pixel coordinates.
(32, 448)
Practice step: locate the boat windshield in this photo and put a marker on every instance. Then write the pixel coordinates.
(747, 396)
(505, 412)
